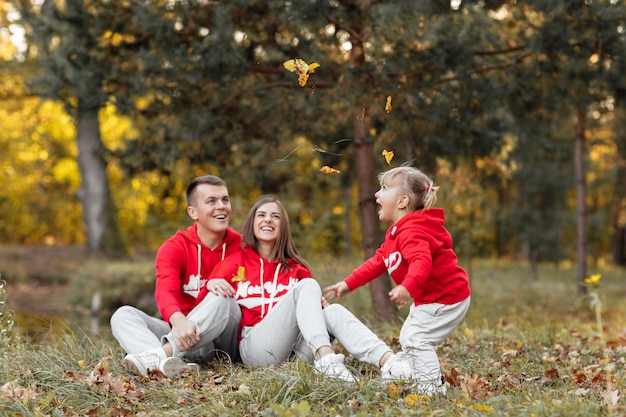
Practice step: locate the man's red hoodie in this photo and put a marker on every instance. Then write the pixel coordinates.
(417, 253)
(183, 266)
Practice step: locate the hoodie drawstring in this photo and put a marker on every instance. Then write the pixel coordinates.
(262, 288)
(199, 259)
(223, 250)
(274, 288)
(275, 283)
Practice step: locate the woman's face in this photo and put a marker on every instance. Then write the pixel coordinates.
(267, 220)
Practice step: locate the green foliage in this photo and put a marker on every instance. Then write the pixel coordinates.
(483, 97)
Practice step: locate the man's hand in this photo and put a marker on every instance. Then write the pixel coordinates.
(400, 295)
(336, 291)
(186, 333)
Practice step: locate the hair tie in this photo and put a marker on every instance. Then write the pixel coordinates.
(426, 188)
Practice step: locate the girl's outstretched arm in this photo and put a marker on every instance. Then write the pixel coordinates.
(337, 291)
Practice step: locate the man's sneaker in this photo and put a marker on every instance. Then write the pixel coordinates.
(395, 369)
(332, 366)
(141, 363)
(174, 367)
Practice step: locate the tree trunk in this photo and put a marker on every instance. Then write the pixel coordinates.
(372, 237)
(581, 196)
(619, 195)
(104, 233)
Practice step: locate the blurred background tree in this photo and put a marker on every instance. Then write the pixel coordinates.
(496, 100)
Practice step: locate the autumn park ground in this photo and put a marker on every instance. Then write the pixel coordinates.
(527, 347)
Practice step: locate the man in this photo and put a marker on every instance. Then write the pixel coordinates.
(192, 328)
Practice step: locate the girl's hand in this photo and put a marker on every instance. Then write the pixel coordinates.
(400, 295)
(336, 291)
(219, 286)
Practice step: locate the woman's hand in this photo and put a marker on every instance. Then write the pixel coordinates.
(219, 286)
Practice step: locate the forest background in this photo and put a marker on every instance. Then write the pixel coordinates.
(516, 109)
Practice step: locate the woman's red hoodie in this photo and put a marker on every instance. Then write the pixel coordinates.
(258, 283)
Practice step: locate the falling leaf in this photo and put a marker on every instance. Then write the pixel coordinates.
(388, 156)
(388, 104)
(328, 170)
(301, 68)
(241, 274)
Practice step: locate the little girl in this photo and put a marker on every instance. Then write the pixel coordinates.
(282, 305)
(417, 253)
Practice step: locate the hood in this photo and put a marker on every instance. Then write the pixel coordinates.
(423, 222)
(191, 235)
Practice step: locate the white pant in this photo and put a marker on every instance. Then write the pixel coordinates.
(298, 324)
(217, 317)
(425, 327)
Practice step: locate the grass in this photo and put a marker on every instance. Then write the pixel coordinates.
(526, 348)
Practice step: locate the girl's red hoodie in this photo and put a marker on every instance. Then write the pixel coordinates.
(258, 283)
(417, 253)
(184, 265)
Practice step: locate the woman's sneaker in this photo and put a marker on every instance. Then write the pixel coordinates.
(395, 370)
(332, 366)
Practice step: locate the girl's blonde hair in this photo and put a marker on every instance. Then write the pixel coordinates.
(285, 249)
(414, 183)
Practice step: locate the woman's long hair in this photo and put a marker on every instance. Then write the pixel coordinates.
(284, 248)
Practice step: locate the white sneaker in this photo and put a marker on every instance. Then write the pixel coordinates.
(395, 369)
(174, 367)
(332, 366)
(150, 360)
(141, 363)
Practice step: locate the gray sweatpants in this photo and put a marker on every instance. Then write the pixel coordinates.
(297, 323)
(217, 317)
(425, 327)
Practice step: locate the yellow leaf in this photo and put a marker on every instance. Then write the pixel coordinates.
(388, 156)
(301, 68)
(328, 170)
(388, 104)
(241, 274)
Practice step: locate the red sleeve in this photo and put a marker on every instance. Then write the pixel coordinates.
(170, 266)
(416, 252)
(226, 269)
(369, 270)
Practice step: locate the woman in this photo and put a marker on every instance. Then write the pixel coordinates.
(281, 304)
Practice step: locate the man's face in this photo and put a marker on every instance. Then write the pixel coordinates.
(211, 208)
